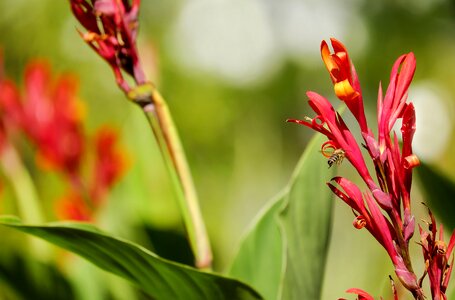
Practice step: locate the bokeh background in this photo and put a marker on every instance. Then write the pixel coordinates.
(232, 72)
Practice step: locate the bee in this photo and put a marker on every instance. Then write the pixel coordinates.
(336, 157)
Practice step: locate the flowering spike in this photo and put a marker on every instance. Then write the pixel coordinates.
(385, 208)
(112, 29)
(46, 105)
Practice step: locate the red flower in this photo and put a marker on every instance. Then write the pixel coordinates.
(48, 113)
(112, 30)
(51, 118)
(385, 209)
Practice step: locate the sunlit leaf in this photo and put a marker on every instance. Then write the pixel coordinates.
(307, 222)
(259, 261)
(289, 263)
(439, 193)
(158, 277)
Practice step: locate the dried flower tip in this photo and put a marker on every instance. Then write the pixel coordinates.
(411, 161)
(440, 247)
(359, 222)
(89, 36)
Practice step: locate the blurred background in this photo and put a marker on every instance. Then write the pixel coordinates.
(232, 72)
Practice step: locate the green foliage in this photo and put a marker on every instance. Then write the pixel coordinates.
(26, 278)
(439, 193)
(159, 278)
(284, 254)
(260, 258)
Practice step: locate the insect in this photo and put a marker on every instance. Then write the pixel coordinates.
(336, 157)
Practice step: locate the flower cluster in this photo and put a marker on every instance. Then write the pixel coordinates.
(49, 114)
(436, 254)
(385, 208)
(112, 27)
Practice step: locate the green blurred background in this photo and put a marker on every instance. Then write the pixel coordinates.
(232, 72)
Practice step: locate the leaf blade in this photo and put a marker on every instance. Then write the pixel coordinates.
(272, 244)
(159, 278)
(254, 262)
(306, 222)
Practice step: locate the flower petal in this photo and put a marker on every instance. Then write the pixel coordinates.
(361, 293)
(380, 228)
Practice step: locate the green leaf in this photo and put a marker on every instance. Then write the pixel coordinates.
(158, 277)
(283, 255)
(259, 259)
(439, 193)
(32, 279)
(307, 220)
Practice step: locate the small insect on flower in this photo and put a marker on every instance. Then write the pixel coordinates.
(336, 157)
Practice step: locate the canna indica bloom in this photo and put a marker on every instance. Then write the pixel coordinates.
(49, 113)
(112, 27)
(385, 208)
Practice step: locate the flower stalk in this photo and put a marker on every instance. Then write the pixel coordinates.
(112, 27)
(166, 135)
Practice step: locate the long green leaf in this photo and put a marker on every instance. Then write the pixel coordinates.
(307, 221)
(158, 277)
(283, 255)
(259, 261)
(439, 193)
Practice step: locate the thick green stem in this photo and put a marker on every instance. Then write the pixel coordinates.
(165, 132)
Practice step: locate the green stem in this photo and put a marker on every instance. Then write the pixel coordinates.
(26, 195)
(165, 132)
(22, 184)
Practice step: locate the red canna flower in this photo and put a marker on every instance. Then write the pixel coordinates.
(49, 114)
(112, 27)
(52, 118)
(385, 208)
